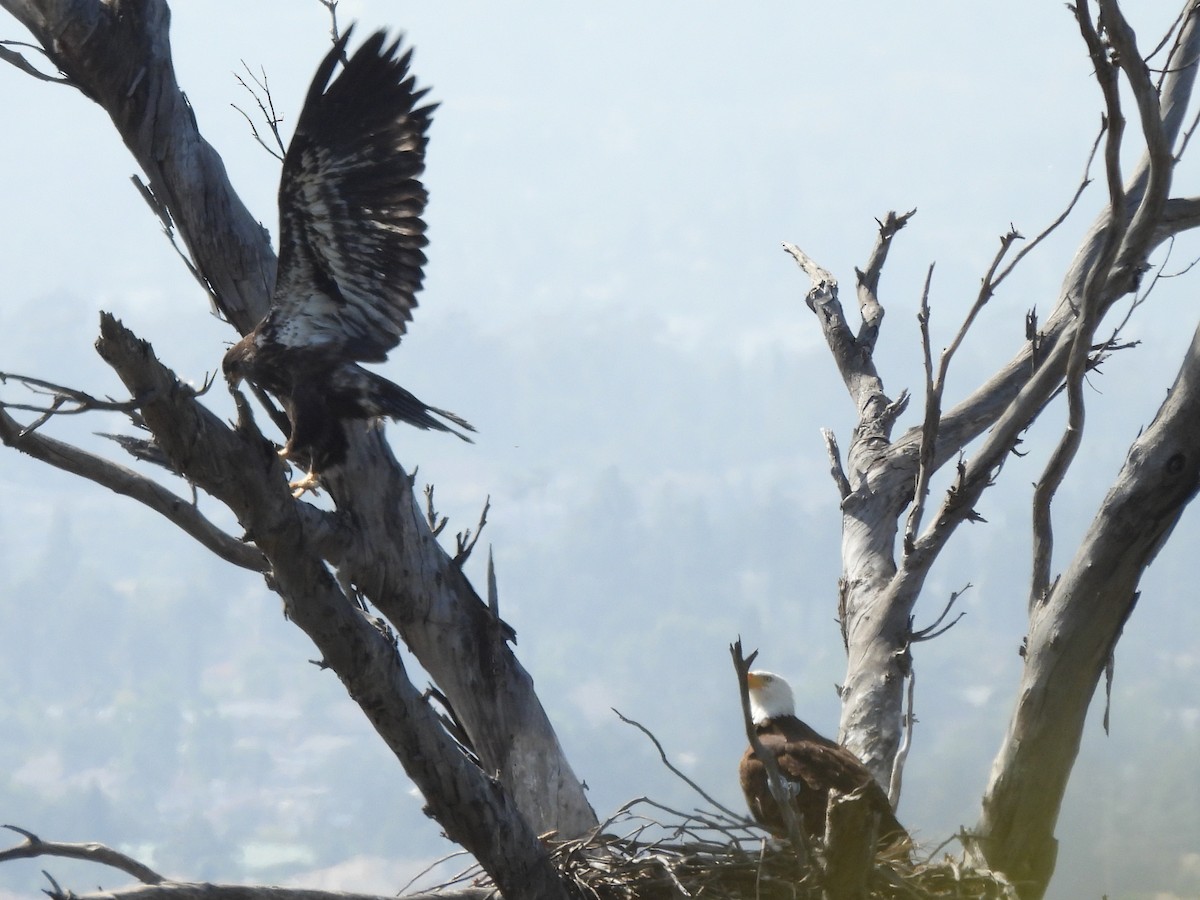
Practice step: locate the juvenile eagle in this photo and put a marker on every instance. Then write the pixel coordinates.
(350, 257)
(811, 765)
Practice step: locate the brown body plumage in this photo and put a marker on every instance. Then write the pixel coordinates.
(811, 765)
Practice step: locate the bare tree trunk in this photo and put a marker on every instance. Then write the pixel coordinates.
(1076, 620)
(881, 581)
(851, 829)
(118, 54)
(242, 470)
(1073, 635)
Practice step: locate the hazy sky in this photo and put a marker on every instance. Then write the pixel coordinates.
(607, 302)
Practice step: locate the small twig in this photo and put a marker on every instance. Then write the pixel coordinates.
(987, 289)
(159, 208)
(59, 397)
(835, 464)
(667, 762)
(1062, 216)
(16, 59)
(1174, 35)
(931, 631)
(266, 108)
(1187, 136)
(429, 868)
(929, 428)
(332, 5)
(435, 521)
(464, 541)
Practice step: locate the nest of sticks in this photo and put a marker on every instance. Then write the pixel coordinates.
(648, 851)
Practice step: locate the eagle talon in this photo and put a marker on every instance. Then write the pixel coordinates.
(300, 487)
(311, 480)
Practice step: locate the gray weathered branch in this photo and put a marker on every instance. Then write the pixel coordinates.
(877, 593)
(1076, 621)
(119, 55)
(241, 469)
(125, 481)
(1072, 633)
(32, 847)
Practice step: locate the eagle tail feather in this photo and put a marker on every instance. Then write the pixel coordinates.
(387, 399)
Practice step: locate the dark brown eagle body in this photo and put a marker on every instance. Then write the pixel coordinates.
(350, 254)
(811, 766)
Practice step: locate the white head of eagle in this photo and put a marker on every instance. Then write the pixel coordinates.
(351, 239)
(770, 697)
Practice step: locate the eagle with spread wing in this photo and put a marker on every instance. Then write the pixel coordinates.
(350, 256)
(810, 764)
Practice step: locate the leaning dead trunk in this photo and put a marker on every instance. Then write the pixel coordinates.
(118, 54)
(1073, 634)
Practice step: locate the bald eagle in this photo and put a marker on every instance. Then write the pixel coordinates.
(350, 257)
(811, 766)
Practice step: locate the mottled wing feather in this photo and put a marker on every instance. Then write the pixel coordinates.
(350, 208)
(820, 767)
(811, 765)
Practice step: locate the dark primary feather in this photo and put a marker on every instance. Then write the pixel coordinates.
(350, 254)
(812, 765)
(350, 207)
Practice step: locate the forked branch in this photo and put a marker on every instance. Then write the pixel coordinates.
(868, 278)
(261, 92)
(791, 821)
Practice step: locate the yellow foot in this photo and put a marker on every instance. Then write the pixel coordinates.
(309, 482)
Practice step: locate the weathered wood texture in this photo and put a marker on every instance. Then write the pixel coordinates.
(883, 576)
(241, 469)
(1074, 632)
(118, 54)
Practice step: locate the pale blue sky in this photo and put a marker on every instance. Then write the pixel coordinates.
(607, 301)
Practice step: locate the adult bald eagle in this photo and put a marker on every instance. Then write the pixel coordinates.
(811, 766)
(350, 257)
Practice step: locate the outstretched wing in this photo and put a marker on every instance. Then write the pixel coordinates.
(350, 207)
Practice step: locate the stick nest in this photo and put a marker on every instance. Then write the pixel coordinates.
(650, 852)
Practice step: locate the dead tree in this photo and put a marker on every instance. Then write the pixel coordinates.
(380, 544)
(890, 539)
(521, 786)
